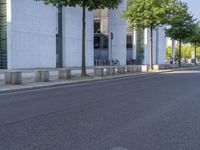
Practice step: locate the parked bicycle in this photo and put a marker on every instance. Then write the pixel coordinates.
(106, 62)
(115, 62)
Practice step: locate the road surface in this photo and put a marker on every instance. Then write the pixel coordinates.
(148, 112)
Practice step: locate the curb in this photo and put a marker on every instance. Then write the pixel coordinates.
(77, 82)
(65, 83)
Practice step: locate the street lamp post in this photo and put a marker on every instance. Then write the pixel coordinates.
(110, 52)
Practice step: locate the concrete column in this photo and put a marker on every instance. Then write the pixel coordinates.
(134, 45)
(117, 26)
(157, 44)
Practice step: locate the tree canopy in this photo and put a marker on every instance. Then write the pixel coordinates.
(195, 39)
(182, 24)
(149, 13)
(91, 4)
(142, 14)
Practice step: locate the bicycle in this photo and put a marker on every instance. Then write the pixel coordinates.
(115, 62)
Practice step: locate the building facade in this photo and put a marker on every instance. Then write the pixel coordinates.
(34, 35)
(126, 44)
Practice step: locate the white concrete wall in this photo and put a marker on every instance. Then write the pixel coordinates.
(159, 49)
(32, 29)
(154, 46)
(31, 35)
(162, 46)
(134, 45)
(72, 37)
(117, 25)
(146, 46)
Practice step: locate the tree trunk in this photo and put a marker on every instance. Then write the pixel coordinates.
(83, 68)
(151, 49)
(59, 59)
(195, 54)
(179, 55)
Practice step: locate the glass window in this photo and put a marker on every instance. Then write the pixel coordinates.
(140, 46)
(3, 35)
(129, 41)
(105, 41)
(97, 26)
(97, 41)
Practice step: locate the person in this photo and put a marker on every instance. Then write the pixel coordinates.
(171, 60)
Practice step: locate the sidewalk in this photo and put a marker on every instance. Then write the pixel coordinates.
(29, 83)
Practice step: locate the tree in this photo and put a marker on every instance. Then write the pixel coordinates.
(169, 53)
(195, 41)
(182, 26)
(90, 5)
(143, 14)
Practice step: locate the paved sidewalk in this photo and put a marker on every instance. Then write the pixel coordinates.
(29, 83)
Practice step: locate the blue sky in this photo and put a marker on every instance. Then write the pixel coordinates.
(194, 6)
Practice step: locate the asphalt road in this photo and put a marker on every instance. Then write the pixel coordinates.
(150, 112)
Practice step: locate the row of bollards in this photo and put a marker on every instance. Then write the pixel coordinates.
(15, 77)
(112, 70)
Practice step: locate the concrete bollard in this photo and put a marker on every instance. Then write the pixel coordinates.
(121, 70)
(111, 71)
(156, 67)
(13, 78)
(130, 69)
(64, 74)
(138, 68)
(106, 71)
(144, 68)
(42, 76)
(99, 71)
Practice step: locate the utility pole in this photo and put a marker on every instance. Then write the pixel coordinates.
(110, 51)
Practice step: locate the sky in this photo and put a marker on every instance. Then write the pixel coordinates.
(194, 7)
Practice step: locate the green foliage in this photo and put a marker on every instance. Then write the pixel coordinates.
(182, 27)
(182, 24)
(91, 4)
(186, 52)
(143, 14)
(195, 39)
(198, 53)
(168, 53)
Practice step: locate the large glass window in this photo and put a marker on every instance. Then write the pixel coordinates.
(3, 35)
(97, 26)
(129, 40)
(101, 42)
(140, 46)
(97, 41)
